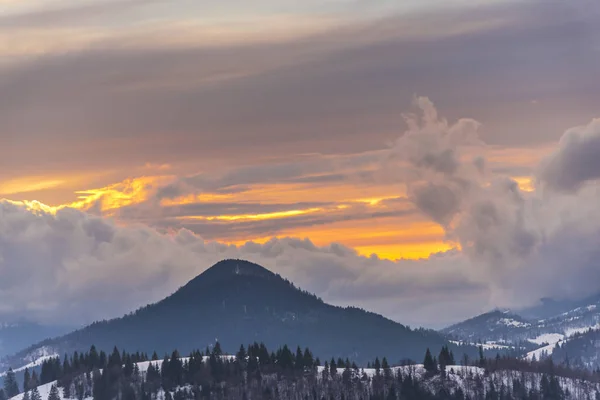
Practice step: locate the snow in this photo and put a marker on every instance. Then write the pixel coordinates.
(486, 345)
(35, 363)
(583, 329)
(541, 352)
(44, 392)
(513, 322)
(551, 338)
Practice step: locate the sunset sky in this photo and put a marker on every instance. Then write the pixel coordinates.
(365, 131)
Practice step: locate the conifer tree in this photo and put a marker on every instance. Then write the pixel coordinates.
(429, 363)
(67, 390)
(34, 381)
(35, 394)
(332, 368)
(2, 395)
(26, 396)
(482, 358)
(217, 349)
(26, 379)
(308, 358)
(11, 388)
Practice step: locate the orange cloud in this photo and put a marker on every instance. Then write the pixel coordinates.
(126, 193)
(525, 183)
(241, 217)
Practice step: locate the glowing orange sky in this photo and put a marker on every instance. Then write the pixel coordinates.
(407, 235)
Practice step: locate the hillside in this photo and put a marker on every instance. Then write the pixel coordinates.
(494, 326)
(236, 302)
(285, 376)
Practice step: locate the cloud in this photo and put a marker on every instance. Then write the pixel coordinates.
(523, 243)
(434, 173)
(576, 160)
(138, 98)
(71, 267)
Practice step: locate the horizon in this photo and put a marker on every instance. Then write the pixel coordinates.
(427, 161)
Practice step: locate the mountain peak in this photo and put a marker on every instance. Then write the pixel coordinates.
(229, 267)
(228, 270)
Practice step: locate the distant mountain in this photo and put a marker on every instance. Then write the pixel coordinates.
(549, 307)
(237, 302)
(15, 334)
(494, 326)
(566, 330)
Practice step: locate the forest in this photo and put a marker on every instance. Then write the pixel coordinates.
(254, 372)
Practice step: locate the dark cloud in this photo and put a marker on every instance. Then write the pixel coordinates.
(438, 202)
(576, 161)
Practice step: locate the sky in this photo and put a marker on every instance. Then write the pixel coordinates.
(427, 160)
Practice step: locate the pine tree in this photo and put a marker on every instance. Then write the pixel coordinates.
(34, 381)
(11, 388)
(217, 349)
(481, 357)
(54, 394)
(26, 396)
(428, 362)
(26, 380)
(35, 394)
(2, 395)
(67, 390)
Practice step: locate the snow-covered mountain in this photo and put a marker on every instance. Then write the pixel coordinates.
(540, 334)
(495, 326)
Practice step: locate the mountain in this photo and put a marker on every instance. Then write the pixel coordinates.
(237, 302)
(494, 326)
(566, 330)
(16, 334)
(549, 308)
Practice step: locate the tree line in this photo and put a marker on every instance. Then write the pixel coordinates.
(254, 372)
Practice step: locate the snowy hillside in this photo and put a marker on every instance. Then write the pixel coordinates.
(471, 381)
(44, 392)
(465, 378)
(533, 337)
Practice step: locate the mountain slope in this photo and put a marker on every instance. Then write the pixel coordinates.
(492, 326)
(240, 302)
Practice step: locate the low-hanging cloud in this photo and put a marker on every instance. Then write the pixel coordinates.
(72, 267)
